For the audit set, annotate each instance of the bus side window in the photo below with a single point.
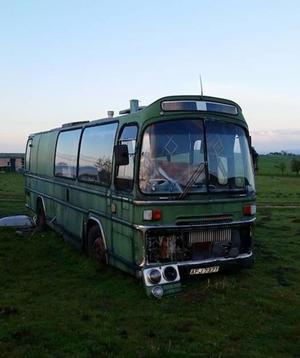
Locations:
(28, 155)
(96, 151)
(66, 153)
(124, 173)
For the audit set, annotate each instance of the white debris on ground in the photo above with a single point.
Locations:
(17, 221)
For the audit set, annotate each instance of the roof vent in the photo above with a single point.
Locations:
(134, 107)
(110, 114)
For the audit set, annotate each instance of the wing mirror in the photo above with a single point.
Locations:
(121, 154)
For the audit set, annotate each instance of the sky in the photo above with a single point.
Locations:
(69, 60)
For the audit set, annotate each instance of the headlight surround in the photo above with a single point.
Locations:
(170, 273)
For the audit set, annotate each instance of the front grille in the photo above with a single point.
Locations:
(219, 235)
(167, 246)
(220, 219)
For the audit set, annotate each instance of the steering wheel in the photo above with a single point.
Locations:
(171, 181)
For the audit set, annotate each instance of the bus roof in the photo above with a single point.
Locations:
(185, 104)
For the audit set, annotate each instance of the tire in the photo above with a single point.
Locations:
(40, 217)
(95, 245)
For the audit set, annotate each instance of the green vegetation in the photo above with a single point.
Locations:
(274, 188)
(295, 165)
(11, 194)
(54, 302)
(276, 164)
(278, 190)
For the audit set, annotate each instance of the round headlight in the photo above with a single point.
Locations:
(170, 273)
(154, 276)
(157, 291)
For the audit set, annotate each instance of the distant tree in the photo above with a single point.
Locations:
(295, 165)
(281, 166)
(104, 166)
(255, 156)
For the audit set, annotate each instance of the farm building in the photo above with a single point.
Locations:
(12, 162)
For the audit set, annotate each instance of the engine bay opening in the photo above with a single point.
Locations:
(178, 246)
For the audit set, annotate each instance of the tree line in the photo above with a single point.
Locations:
(294, 166)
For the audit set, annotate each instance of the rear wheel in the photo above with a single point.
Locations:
(41, 217)
(96, 247)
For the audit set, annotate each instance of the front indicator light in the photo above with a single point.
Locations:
(154, 276)
(152, 215)
(249, 210)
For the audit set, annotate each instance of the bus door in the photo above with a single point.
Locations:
(122, 209)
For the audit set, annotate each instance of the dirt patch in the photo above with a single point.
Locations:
(196, 295)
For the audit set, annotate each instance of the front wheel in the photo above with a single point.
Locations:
(96, 247)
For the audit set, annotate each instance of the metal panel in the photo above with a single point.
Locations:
(220, 235)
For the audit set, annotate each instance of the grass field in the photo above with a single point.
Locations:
(278, 190)
(268, 164)
(11, 194)
(55, 303)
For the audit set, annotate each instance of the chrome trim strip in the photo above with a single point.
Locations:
(121, 198)
(211, 225)
(79, 188)
(39, 194)
(240, 198)
(209, 261)
(79, 209)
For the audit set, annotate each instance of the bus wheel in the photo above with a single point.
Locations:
(96, 247)
(41, 217)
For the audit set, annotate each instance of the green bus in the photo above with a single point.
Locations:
(162, 192)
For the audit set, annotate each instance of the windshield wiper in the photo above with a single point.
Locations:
(192, 179)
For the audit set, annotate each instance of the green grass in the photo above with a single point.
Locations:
(11, 194)
(11, 186)
(278, 190)
(267, 164)
(54, 302)
(272, 187)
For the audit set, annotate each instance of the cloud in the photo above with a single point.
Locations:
(276, 140)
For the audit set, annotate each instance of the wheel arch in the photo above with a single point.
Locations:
(93, 221)
(40, 200)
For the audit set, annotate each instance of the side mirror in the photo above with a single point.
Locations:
(121, 154)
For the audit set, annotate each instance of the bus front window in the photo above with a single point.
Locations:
(171, 152)
(229, 161)
(173, 156)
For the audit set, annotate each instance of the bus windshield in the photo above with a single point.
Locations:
(195, 156)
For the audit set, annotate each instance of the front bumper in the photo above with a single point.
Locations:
(243, 260)
(189, 268)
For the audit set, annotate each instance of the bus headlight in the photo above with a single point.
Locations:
(154, 276)
(170, 273)
(157, 291)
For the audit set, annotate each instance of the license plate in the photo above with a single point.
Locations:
(204, 270)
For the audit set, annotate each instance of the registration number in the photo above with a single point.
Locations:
(204, 270)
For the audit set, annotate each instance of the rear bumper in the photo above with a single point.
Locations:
(243, 260)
